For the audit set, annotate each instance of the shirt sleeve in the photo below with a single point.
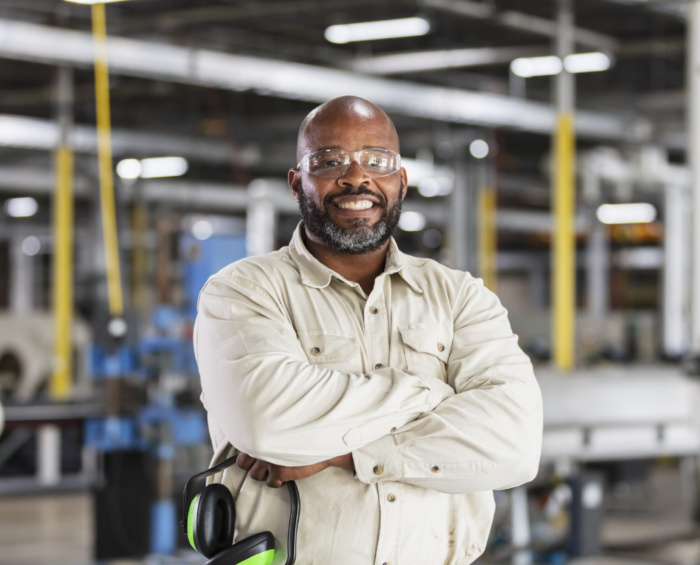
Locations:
(487, 436)
(270, 402)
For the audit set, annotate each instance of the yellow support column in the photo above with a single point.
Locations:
(63, 274)
(104, 153)
(564, 253)
(488, 239)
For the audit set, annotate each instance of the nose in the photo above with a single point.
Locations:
(354, 176)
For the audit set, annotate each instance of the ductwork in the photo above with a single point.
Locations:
(19, 40)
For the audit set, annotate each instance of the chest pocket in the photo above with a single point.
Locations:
(335, 350)
(427, 350)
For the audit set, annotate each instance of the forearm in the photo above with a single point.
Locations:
(484, 439)
(271, 403)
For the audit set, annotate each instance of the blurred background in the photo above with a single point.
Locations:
(552, 149)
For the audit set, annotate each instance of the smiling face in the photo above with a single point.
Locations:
(354, 213)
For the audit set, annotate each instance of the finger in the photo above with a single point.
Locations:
(245, 461)
(275, 476)
(258, 471)
(274, 482)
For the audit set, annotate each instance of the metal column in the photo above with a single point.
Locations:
(63, 241)
(694, 162)
(675, 272)
(104, 153)
(563, 193)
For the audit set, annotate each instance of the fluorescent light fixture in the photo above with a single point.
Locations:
(636, 213)
(383, 29)
(479, 148)
(154, 167)
(21, 207)
(129, 168)
(411, 221)
(527, 67)
(586, 62)
(31, 245)
(93, 1)
(157, 167)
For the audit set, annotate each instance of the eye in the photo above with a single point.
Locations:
(328, 160)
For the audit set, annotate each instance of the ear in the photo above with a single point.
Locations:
(404, 183)
(294, 180)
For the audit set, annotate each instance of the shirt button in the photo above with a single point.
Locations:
(393, 430)
(378, 365)
(435, 469)
(378, 470)
(315, 351)
(441, 347)
(391, 498)
(373, 309)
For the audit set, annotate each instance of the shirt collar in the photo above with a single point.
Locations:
(316, 274)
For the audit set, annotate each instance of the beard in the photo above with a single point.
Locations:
(359, 237)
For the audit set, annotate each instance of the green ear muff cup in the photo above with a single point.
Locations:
(214, 520)
(261, 545)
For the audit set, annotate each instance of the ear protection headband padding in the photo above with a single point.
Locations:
(256, 544)
(214, 520)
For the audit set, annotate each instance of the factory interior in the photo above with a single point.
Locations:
(552, 149)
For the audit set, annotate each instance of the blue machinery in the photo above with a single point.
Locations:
(160, 366)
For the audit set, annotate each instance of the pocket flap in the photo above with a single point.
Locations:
(427, 340)
(328, 346)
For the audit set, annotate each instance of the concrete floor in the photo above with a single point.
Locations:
(57, 529)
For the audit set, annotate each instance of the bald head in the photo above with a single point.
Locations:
(350, 114)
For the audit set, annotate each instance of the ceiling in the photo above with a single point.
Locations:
(645, 38)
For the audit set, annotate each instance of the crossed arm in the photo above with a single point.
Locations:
(291, 420)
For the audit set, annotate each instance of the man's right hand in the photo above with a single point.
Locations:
(276, 475)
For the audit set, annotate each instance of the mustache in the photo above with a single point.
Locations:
(349, 191)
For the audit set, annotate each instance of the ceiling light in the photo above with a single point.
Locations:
(383, 29)
(163, 167)
(154, 167)
(586, 62)
(527, 67)
(129, 168)
(21, 207)
(536, 66)
(479, 148)
(31, 245)
(93, 1)
(637, 213)
(412, 221)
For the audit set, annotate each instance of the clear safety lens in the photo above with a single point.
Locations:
(333, 163)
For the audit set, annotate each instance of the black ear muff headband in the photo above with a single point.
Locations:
(197, 482)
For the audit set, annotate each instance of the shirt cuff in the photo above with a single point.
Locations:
(377, 461)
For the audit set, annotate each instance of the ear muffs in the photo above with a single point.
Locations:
(210, 522)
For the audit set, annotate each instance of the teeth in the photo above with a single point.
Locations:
(356, 205)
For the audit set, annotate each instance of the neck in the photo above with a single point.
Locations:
(361, 268)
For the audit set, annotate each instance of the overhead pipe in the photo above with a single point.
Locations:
(285, 79)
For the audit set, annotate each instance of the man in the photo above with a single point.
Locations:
(390, 387)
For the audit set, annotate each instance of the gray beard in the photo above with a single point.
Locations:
(360, 237)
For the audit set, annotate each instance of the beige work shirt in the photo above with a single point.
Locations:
(422, 380)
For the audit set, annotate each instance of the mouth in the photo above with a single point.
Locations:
(355, 205)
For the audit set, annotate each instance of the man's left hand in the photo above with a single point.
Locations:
(276, 475)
